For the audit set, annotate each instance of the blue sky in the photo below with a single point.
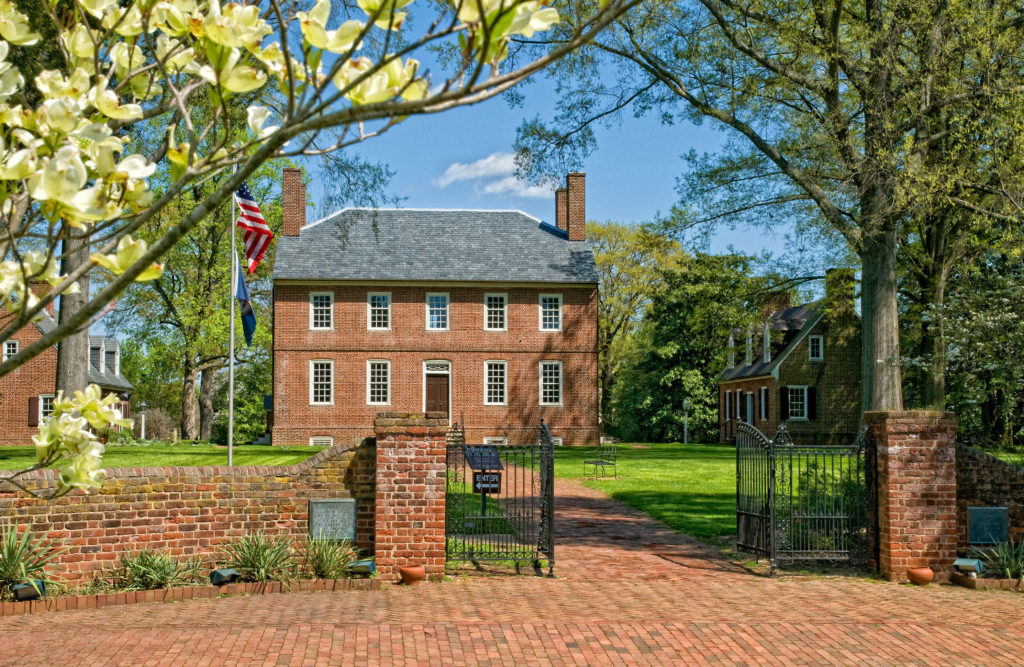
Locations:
(462, 158)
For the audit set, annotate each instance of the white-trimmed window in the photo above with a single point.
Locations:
(816, 348)
(321, 441)
(551, 383)
(797, 402)
(495, 382)
(496, 312)
(10, 349)
(550, 312)
(727, 396)
(762, 401)
(495, 440)
(437, 311)
(45, 406)
(378, 311)
(378, 382)
(321, 310)
(321, 382)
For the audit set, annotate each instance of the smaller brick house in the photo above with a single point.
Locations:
(801, 367)
(27, 392)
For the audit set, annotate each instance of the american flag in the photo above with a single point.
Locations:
(257, 235)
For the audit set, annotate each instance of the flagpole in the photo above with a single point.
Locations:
(231, 335)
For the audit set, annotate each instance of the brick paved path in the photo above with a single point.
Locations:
(629, 592)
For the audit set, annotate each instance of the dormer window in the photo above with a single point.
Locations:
(112, 361)
(96, 357)
(732, 352)
(767, 344)
(750, 347)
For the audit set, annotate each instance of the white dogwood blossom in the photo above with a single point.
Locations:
(109, 132)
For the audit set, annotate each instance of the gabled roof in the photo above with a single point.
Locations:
(104, 380)
(797, 319)
(359, 244)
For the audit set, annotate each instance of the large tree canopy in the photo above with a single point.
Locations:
(871, 112)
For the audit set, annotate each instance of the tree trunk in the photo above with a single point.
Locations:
(73, 351)
(881, 385)
(206, 385)
(188, 401)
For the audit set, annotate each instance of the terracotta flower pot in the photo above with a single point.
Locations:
(922, 576)
(412, 575)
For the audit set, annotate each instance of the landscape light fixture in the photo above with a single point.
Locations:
(223, 576)
(972, 566)
(31, 590)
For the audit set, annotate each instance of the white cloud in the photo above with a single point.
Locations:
(513, 186)
(498, 164)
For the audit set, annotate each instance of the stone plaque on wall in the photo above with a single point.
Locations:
(333, 518)
(987, 525)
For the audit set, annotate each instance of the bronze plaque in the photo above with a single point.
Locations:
(332, 518)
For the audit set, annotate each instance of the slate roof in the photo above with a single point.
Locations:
(793, 319)
(433, 246)
(104, 380)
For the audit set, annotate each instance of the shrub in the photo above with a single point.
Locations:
(26, 556)
(259, 557)
(1005, 560)
(327, 559)
(148, 569)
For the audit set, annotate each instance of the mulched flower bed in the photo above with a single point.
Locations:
(98, 600)
(984, 584)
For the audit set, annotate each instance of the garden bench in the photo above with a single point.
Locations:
(601, 459)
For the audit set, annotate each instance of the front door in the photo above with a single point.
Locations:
(437, 393)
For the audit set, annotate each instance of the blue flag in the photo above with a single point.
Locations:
(248, 316)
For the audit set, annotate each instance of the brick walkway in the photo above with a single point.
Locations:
(629, 592)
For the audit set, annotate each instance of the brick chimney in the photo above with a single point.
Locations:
(561, 199)
(576, 209)
(840, 290)
(293, 202)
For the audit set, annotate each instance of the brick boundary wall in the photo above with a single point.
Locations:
(983, 480)
(190, 510)
(916, 491)
(411, 475)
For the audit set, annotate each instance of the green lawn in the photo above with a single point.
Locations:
(165, 454)
(1016, 457)
(691, 488)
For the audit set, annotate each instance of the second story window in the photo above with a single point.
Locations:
(816, 347)
(10, 349)
(495, 312)
(321, 382)
(379, 313)
(321, 310)
(550, 312)
(437, 311)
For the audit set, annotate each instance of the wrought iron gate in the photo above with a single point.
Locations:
(803, 502)
(500, 501)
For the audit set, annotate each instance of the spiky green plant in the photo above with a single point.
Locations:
(147, 569)
(1006, 559)
(25, 556)
(260, 557)
(326, 559)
